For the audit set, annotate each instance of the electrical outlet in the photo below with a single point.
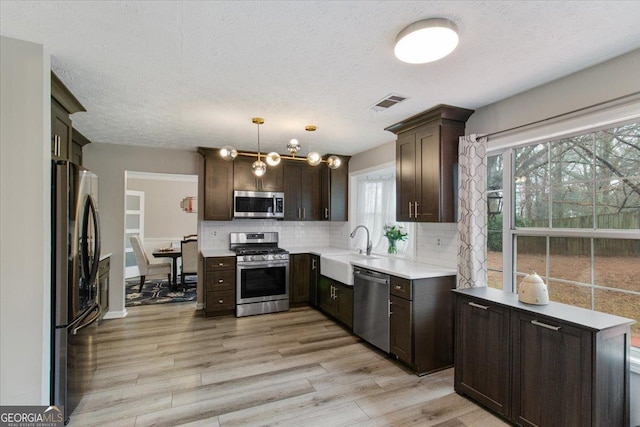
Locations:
(438, 241)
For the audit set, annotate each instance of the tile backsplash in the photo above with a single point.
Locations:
(435, 243)
(292, 234)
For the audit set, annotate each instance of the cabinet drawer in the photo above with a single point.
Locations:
(401, 287)
(104, 266)
(221, 281)
(220, 263)
(217, 301)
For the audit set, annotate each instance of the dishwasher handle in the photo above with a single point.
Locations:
(371, 276)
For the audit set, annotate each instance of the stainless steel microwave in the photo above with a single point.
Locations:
(258, 204)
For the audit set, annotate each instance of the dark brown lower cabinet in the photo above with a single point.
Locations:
(421, 322)
(336, 300)
(553, 362)
(219, 285)
(299, 278)
(482, 353)
(400, 335)
(553, 365)
(103, 285)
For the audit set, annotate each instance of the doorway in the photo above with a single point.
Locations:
(155, 211)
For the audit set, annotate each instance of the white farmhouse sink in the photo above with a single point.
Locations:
(338, 267)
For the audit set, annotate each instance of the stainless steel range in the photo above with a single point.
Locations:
(262, 273)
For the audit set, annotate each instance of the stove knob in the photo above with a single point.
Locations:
(264, 257)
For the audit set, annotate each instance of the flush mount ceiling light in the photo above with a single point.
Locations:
(259, 168)
(426, 41)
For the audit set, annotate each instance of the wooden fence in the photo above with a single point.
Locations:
(582, 246)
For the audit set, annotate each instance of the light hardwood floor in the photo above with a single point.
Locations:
(167, 365)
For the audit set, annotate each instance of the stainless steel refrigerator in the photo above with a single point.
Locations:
(74, 266)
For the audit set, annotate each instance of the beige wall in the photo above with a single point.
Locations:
(374, 157)
(163, 217)
(25, 229)
(109, 162)
(604, 82)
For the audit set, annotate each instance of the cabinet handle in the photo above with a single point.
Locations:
(416, 208)
(220, 301)
(544, 325)
(220, 281)
(397, 287)
(313, 264)
(484, 307)
(221, 264)
(326, 213)
(304, 213)
(410, 208)
(390, 311)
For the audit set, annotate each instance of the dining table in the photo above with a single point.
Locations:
(174, 254)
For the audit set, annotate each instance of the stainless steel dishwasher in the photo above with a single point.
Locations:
(371, 307)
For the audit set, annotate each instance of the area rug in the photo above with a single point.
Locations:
(159, 292)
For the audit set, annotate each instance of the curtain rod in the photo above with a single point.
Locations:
(599, 104)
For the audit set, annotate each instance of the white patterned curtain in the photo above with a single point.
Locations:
(472, 211)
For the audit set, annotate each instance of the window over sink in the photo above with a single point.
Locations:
(375, 207)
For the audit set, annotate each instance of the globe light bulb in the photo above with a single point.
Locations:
(258, 168)
(273, 159)
(314, 158)
(228, 153)
(293, 146)
(334, 162)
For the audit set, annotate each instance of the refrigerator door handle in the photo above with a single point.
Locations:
(90, 209)
(75, 329)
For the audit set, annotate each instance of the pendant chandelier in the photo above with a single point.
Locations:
(259, 168)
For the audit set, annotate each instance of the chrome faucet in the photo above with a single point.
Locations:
(369, 244)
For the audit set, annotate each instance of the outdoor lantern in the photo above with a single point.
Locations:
(494, 202)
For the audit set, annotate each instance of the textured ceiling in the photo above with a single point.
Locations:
(186, 74)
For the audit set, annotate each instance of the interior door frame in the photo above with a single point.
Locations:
(132, 271)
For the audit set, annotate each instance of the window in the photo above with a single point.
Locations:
(494, 221)
(576, 219)
(376, 206)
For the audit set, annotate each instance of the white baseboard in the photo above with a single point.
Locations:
(115, 314)
(199, 306)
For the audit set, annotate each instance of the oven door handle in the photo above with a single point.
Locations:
(261, 265)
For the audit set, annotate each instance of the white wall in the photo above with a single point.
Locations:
(163, 217)
(600, 83)
(110, 161)
(25, 230)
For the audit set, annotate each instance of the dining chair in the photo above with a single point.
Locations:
(145, 267)
(189, 266)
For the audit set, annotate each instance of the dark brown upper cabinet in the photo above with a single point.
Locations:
(302, 201)
(335, 191)
(218, 186)
(63, 104)
(245, 180)
(426, 157)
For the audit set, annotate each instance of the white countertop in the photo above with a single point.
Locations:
(319, 250)
(384, 264)
(208, 253)
(403, 268)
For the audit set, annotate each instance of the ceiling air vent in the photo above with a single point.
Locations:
(386, 102)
